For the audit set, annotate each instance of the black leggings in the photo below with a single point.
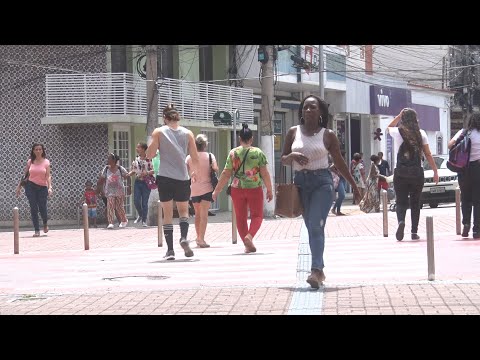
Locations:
(405, 188)
(470, 195)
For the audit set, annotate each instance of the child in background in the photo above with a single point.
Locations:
(90, 198)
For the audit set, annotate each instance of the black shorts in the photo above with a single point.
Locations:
(172, 189)
(206, 197)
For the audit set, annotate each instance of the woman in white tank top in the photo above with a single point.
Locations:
(306, 149)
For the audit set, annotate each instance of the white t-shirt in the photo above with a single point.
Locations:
(475, 143)
(398, 140)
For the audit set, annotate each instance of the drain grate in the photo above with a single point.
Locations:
(28, 297)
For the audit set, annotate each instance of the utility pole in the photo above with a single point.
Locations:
(467, 85)
(152, 93)
(152, 119)
(266, 128)
(320, 72)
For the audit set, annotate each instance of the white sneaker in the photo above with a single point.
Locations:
(110, 226)
(123, 224)
(144, 224)
(137, 220)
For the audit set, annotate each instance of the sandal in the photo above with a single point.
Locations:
(202, 244)
(45, 228)
(249, 247)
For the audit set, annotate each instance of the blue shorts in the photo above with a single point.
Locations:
(92, 212)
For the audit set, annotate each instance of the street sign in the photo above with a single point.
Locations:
(222, 118)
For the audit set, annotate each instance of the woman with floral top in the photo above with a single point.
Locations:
(143, 170)
(250, 165)
(112, 179)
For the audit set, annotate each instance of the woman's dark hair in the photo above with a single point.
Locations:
(170, 113)
(114, 157)
(411, 131)
(322, 105)
(357, 157)
(143, 145)
(32, 154)
(245, 134)
(374, 158)
(474, 122)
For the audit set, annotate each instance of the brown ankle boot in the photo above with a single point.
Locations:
(316, 278)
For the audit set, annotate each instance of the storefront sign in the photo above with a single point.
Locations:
(386, 100)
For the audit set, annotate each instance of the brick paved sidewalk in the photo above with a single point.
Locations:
(454, 296)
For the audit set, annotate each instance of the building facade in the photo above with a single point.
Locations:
(83, 102)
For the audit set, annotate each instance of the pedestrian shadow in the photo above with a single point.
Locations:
(174, 261)
(466, 239)
(322, 288)
(249, 254)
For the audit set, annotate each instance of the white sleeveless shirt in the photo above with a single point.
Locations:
(313, 148)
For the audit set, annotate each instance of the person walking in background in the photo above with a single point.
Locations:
(470, 178)
(371, 199)
(306, 149)
(38, 187)
(249, 163)
(112, 176)
(90, 198)
(340, 189)
(358, 174)
(174, 142)
(143, 169)
(410, 143)
(201, 188)
(384, 169)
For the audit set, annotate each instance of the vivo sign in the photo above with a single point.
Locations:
(383, 100)
(386, 100)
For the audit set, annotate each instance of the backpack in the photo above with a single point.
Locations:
(459, 155)
(408, 167)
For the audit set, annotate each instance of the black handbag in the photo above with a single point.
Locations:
(229, 188)
(213, 174)
(24, 179)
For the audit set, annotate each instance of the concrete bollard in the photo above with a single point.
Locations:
(385, 212)
(16, 231)
(430, 249)
(234, 226)
(86, 236)
(160, 224)
(457, 210)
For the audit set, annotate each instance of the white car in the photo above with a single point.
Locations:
(444, 191)
(434, 194)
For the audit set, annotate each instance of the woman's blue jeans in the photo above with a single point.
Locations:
(316, 192)
(141, 193)
(37, 198)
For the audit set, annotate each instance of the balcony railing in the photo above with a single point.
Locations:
(126, 94)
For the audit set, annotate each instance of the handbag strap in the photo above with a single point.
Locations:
(243, 163)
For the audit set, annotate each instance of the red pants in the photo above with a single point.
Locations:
(244, 199)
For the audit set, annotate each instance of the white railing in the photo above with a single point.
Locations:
(126, 94)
